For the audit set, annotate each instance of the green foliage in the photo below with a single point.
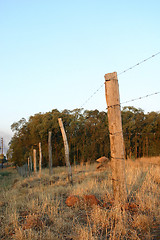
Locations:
(87, 133)
(141, 132)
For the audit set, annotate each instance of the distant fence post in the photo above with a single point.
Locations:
(116, 137)
(40, 158)
(28, 166)
(34, 161)
(66, 150)
(30, 160)
(50, 153)
(2, 152)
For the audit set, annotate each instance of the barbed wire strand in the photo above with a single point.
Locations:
(135, 99)
(136, 65)
(139, 98)
(130, 68)
(92, 95)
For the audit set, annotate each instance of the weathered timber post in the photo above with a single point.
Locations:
(66, 147)
(2, 151)
(116, 137)
(30, 160)
(28, 167)
(50, 153)
(34, 161)
(40, 158)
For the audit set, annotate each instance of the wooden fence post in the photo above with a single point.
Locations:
(34, 161)
(28, 167)
(66, 147)
(30, 160)
(50, 153)
(40, 158)
(116, 137)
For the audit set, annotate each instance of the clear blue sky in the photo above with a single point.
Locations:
(54, 54)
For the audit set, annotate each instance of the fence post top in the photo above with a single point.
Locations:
(110, 76)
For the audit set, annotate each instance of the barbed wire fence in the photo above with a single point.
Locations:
(127, 101)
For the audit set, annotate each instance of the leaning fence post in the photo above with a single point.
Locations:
(116, 137)
(40, 158)
(34, 161)
(50, 153)
(66, 150)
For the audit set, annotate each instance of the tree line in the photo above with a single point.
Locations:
(87, 133)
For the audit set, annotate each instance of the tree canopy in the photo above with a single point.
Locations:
(87, 133)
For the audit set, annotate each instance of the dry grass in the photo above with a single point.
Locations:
(34, 208)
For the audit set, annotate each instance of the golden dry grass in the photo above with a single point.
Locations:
(34, 208)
